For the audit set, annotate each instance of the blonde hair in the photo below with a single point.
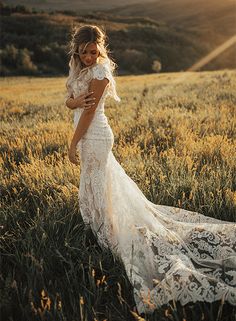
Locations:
(87, 34)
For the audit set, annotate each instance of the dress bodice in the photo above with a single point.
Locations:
(99, 127)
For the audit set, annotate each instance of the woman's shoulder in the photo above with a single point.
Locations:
(101, 70)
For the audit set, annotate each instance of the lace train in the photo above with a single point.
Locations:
(168, 252)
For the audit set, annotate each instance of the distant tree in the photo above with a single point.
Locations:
(21, 9)
(9, 56)
(7, 10)
(134, 60)
(156, 66)
(25, 65)
(17, 61)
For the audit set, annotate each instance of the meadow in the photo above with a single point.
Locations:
(174, 136)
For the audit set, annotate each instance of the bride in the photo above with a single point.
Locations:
(169, 253)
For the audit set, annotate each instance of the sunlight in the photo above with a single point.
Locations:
(213, 54)
(184, 74)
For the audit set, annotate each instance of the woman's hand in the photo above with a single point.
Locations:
(84, 101)
(72, 155)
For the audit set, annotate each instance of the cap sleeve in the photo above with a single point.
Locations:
(100, 71)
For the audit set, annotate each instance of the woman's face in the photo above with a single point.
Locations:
(89, 55)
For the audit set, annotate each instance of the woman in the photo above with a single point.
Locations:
(169, 253)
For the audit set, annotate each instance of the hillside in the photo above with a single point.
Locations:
(35, 43)
(79, 6)
(209, 22)
(201, 16)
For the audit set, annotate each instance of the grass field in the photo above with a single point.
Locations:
(174, 136)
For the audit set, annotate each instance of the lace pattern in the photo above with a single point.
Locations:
(99, 128)
(99, 71)
(94, 194)
(168, 252)
(186, 256)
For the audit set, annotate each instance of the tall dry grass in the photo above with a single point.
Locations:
(174, 136)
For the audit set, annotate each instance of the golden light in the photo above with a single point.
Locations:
(213, 54)
(183, 75)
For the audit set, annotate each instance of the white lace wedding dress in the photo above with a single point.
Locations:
(169, 253)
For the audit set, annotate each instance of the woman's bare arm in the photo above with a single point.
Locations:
(98, 87)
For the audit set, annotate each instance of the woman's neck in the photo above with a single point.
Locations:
(84, 66)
